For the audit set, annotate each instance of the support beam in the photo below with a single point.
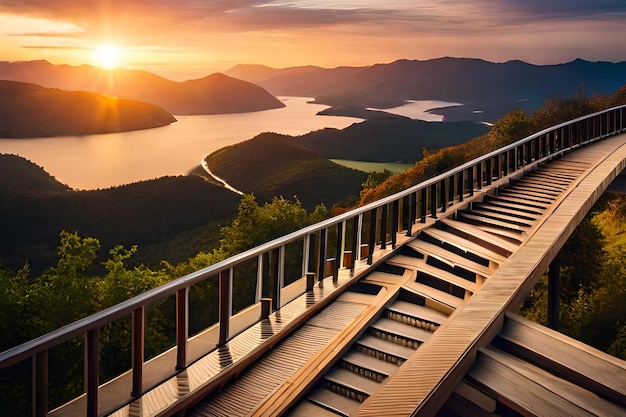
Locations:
(554, 295)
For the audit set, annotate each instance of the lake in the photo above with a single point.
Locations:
(102, 161)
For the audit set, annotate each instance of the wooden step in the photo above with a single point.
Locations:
(368, 366)
(451, 258)
(405, 334)
(535, 189)
(349, 384)
(418, 311)
(502, 204)
(540, 184)
(465, 245)
(506, 211)
(588, 367)
(434, 294)
(384, 349)
(331, 401)
(468, 231)
(535, 390)
(511, 198)
(530, 197)
(509, 220)
(421, 266)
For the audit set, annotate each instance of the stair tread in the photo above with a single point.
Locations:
(369, 362)
(420, 265)
(333, 401)
(401, 329)
(434, 294)
(465, 245)
(418, 311)
(386, 346)
(352, 380)
(452, 258)
(482, 235)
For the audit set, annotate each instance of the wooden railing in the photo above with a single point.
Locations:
(342, 242)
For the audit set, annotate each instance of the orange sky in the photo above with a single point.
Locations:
(193, 38)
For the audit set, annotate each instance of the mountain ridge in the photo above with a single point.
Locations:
(213, 94)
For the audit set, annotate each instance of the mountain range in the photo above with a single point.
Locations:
(487, 90)
(28, 110)
(214, 94)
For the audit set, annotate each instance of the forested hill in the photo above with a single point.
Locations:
(28, 110)
(389, 139)
(34, 208)
(276, 165)
(213, 94)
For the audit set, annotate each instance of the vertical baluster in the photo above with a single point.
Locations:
(138, 332)
(479, 175)
(395, 220)
(470, 180)
(410, 214)
(451, 189)
(182, 327)
(433, 201)
(355, 243)
(489, 170)
(372, 239)
(92, 377)
(321, 260)
(225, 290)
(461, 185)
(383, 227)
(338, 250)
(443, 194)
(423, 204)
(306, 250)
(40, 384)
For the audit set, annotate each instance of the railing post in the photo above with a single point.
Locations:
(461, 185)
(423, 204)
(355, 249)
(395, 218)
(225, 290)
(383, 227)
(410, 214)
(40, 384)
(372, 239)
(310, 281)
(433, 201)
(338, 250)
(92, 376)
(321, 261)
(470, 180)
(138, 330)
(182, 327)
(554, 295)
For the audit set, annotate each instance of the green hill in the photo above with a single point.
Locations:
(277, 165)
(389, 139)
(28, 110)
(34, 209)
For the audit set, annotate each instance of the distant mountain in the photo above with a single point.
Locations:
(488, 90)
(34, 208)
(276, 165)
(28, 110)
(213, 94)
(390, 139)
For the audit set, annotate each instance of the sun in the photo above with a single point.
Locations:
(108, 56)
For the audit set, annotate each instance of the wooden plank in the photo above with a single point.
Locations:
(421, 266)
(401, 329)
(473, 231)
(511, 199)
(385, 346)
(437, 295)
(369, 362)
(418, 311)
(588, 367)
(352, 381)
(509, 220)
(519, 393)
(450, 258)
(508, 211)
(344, 406)
(465, 245)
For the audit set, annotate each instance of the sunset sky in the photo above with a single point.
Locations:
(190, 39)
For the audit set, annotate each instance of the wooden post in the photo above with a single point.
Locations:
(92, 376)
(137, 351)
(224, 306)
(554, 295)
(182, 327)
(40, 384)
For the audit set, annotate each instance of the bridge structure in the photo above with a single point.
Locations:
(403, 307)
